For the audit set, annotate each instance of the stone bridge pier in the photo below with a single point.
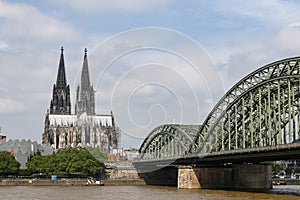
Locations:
(256, 177)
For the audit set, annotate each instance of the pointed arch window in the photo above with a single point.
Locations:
(61, 102)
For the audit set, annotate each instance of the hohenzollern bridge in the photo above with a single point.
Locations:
(255, 122)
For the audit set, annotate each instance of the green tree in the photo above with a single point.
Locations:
(98, 154)
(8, 164)
(70, 161)
(39, 164)
(297, 170)
(276, 167)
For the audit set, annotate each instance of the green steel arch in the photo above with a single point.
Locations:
(169, 140)
(260, 110)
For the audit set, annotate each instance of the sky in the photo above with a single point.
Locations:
(151, 61)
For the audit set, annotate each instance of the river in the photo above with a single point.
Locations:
(134, 192)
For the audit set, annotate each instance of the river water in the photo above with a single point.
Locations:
(134, 192)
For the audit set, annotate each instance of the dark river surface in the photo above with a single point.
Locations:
(137, 192)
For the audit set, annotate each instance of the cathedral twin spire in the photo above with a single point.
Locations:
(85, 98)
(60, 103)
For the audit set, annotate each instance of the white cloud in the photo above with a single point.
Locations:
(262, 32)
(148, 67)
(25, 22)
(3, 46)
(275, 12)
(258, 32)
(288, 38)
(9, 106)
(30, 41)
(136, 6)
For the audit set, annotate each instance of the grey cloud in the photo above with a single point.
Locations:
(10, 106)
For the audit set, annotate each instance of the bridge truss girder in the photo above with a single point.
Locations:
(170, 140)
(260, 110)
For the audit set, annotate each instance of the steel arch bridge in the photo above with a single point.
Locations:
(261, 110)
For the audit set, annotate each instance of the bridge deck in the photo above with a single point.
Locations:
(253, 155)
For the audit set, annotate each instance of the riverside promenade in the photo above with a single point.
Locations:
(70, 182)
(116, 174)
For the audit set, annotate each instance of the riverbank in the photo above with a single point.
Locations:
(70, 182)
(107, 182)
(287, 181)
(286, 189)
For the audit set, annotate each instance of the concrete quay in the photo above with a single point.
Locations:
(71, 182)
(40, 182)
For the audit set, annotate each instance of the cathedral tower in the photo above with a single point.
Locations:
(60, 103)
(85, 96)
(63, 129)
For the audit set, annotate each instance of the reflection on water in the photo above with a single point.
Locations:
(133, 192)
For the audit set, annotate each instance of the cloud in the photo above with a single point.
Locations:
(147, 86)
(30, 40)
(288, 38)
(10, 106)
(135, 6)
(21, 23)
(275, 12)
(239, 37)
(261, 32)
(3, 46)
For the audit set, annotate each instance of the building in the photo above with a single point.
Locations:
(84, 128)
(2, 138)
(131, 154)
(23, 150)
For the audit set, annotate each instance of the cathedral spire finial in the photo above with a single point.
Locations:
(85, 76)
(62, 50)
(61, 75)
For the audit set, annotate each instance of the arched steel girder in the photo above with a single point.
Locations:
(169, 140)
(262, 84)
(266, 130)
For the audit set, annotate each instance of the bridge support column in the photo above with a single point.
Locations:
(208, 178)
(187, 178)
(166, 176)
(252, 177)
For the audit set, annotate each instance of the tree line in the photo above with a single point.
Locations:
(70, 162)
(8, 164)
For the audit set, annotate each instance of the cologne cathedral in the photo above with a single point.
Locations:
(84, 128)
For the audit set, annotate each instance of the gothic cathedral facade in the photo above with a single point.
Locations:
(84, 128)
